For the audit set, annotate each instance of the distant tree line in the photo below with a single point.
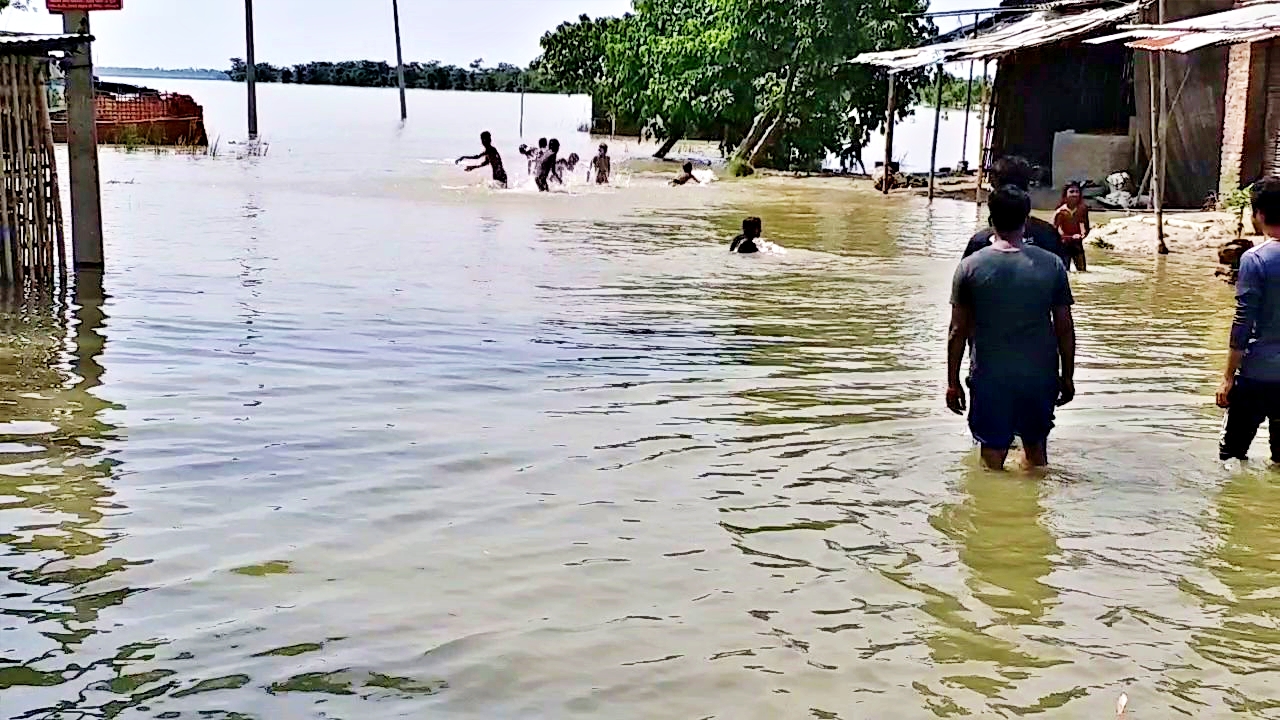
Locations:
(430, 75)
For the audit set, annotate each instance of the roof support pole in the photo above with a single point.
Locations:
(968, 105)
(888, 138)
(1161, 138)
(982, 135)
(937, 121)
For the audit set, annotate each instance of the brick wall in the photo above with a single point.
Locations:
(1235, 120)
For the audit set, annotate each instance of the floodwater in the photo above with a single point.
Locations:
(344, 434)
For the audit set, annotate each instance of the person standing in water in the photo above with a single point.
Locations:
(1072, 222)
(547, 165)
(1250, 389)
(745, 243)
(491, 158)
(686, 175)
(1013, 301)
(1016, 171)
(601, 166)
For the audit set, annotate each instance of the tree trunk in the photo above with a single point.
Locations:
(759, 127)
(769, 140)
(759, 140)
(667, 144)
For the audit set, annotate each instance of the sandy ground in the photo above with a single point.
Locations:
(1195, 233)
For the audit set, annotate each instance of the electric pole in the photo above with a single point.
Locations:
(404, 106)
(251, 70)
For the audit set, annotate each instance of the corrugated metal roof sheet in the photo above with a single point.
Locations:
(16, 42)
(1251, 23)
(1044, 27)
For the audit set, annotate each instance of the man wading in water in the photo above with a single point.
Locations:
(491, 158)
(1251, 387)
(1016, 171)
(1013, 301)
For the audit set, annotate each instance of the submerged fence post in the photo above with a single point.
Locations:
(888, 137)
(937, 121)
(82, 149)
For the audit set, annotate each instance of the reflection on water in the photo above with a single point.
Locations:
(403, 446)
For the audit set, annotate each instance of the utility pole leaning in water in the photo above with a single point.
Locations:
(250, 70)
(404, 105)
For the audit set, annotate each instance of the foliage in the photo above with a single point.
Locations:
(369, 73)
(954, 92)
(729, 66)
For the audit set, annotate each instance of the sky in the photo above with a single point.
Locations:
(207, 33)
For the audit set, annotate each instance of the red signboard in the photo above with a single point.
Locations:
(60, 6)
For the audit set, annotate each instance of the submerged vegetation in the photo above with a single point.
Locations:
(769, 78)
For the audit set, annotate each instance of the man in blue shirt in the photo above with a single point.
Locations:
(1251, 385)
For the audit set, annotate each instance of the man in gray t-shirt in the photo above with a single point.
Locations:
(1012, 301)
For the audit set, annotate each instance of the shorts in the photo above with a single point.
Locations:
(1002, 408)
(1251, 402)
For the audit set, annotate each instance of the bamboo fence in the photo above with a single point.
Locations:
(32, 244)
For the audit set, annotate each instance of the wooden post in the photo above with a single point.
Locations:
(937, 121)
(251, 70)
(888, 138)
(404, 103)
(1163, 249)
(968, 102)
(1157, 164)
(982, 136)
(82, 149)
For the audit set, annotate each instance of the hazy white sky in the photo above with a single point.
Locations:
(206, 33)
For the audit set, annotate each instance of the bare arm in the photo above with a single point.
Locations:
(957, 341)
(1085, 224)
(468, 157)
(477, 167)
(1064, 326)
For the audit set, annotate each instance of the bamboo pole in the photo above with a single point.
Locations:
(35, 90)
(55, 193)
(6, 222)
(14, 171)
(888, 137)
(968, 104)
(404, 103)
(28, 191)
(1157, 175)
(937, 121)
(982, 136)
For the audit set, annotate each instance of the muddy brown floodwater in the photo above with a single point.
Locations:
(343, 434)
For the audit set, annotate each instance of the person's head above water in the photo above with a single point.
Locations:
(1264, 196)
(1071, 194)
(688, 167)
(1011, 170)
(542, 142)
(752, 227)
(554, 145)
(1010, 205)
(486, 139)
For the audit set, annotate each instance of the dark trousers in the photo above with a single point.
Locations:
(1250, 403)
